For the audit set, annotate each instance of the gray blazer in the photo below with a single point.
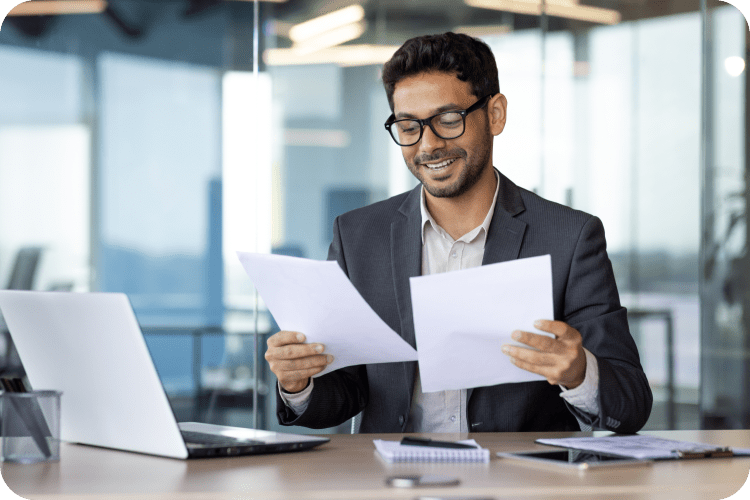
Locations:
(379, 247)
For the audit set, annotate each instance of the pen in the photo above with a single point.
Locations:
(30, 414)
(418, 441)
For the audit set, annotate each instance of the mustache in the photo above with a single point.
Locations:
(441, 155)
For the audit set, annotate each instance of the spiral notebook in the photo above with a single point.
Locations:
(395, 452)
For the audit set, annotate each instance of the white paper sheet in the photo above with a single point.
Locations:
(643, 447)
(317, 299)
(463, 318)
(395, 452)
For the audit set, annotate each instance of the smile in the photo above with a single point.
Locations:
(439, 166)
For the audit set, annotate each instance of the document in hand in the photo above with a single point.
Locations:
(463, 318)
(317, 299)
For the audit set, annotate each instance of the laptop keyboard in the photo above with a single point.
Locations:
(215, 439)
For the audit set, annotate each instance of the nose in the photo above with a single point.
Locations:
(430, 142)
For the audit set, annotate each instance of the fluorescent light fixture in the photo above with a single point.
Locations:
(481, 31)
(569, 9)
(278, 28)
(343, 55)
(331, 38)
(734, 65)
(55, 7)
(319, 25)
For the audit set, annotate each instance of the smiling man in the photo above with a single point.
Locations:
(447, 108)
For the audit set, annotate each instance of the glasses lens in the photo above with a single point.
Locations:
(448, 125)
(406, 132)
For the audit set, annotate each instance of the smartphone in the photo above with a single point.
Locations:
(415, 481)
(572, 459)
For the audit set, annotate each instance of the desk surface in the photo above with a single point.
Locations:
(347, 468)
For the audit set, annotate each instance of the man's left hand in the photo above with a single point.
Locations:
(561, 360)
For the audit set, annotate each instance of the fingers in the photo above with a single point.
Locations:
(528, 356)
(557, 369)
(290, 345)
(541, 342)
(561, 360)
(284, 337)
(559, 329)
(297, 364)
(294, 362)
(565, 336)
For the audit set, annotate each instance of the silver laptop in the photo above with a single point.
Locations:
(90, 347)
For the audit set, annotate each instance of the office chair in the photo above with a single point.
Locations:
(24, 269)
(21, 278)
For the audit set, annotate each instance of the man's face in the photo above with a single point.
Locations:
(445, 167)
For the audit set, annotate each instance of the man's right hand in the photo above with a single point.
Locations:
(294, 362)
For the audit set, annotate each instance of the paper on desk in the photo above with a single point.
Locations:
(316, 298)
(394, 452)
(643, 447)
(463, 318)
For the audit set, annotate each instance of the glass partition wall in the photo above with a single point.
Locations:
(146, 143)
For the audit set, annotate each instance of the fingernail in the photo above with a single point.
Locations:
(506, 349)
(329, 358)
(516, 335)
(300, 337)
(318, 348)
(538, 323)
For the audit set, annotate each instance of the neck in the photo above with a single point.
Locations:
(461, 214)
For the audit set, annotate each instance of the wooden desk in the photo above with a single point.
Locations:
(347, 468)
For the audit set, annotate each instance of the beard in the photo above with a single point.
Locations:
(467, 177)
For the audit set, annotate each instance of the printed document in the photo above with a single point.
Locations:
(463, 318)
(316, 298)
(643, 447)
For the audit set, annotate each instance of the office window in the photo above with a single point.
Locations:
(160, 152)
(44, 200)
(45, 150)
(612, 119)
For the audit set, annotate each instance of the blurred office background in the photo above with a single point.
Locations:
(144, 142)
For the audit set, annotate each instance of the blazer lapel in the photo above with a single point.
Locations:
(406, 258)
(505, 235)
(406, 261)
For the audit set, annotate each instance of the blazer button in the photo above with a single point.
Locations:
(400, 420)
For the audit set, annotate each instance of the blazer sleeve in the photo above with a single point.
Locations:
(592, 306)
(336, 396)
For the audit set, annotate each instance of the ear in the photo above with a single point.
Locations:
(497, 109)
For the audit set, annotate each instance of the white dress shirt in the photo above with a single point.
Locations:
(445, 411)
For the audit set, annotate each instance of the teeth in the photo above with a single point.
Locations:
(437, 166)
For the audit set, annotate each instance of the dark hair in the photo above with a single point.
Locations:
(470, 59)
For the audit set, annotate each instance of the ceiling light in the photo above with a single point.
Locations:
(569, 9)
(327, 22)
(55, 7)
(482, 31)
(343, 55)
(330, 38)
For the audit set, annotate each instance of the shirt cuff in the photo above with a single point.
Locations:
(297, 401)
(586, 396)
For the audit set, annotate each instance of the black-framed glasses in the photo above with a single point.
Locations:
(446, 125)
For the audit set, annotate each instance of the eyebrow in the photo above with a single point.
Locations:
(441, 109)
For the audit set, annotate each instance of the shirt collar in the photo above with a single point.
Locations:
(427, 218)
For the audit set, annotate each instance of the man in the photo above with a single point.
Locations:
(447, 108)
